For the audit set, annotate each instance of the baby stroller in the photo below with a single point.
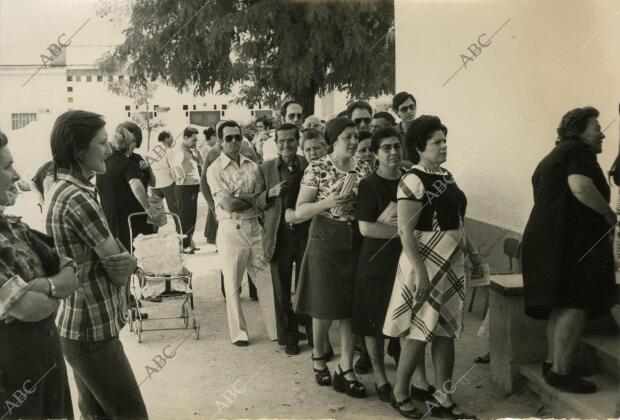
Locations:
(161, 275)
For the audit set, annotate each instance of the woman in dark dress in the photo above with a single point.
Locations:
(381, 249)
(568, 266)
(33, 277)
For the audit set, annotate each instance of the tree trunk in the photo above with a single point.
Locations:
(306, 98)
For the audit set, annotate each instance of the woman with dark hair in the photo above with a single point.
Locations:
(325, 287)
(427, 300)
(33, 277)
(568, 266)
(91, 318)
(376, 213)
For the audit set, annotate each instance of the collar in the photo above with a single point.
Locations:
(86, 186)
(226, 160)
(281, 162)
(441, 170)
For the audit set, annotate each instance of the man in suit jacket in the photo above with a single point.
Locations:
(283, 243)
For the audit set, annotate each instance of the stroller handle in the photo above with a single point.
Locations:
(175, 217)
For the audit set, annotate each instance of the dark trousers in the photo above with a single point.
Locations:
(290, 248)
(211, 227)
(169, 194)
(187, 201)
(107, 387)
(251, 286)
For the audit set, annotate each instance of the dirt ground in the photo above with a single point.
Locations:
(211, 378)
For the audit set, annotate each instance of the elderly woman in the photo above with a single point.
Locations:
(325, 288)
(568, 266)
(381, 248)
(429, 290)
(33, 277)
(364, 150)
(91, 318)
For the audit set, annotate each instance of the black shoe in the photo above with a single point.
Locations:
(577, 370)
(569, 383)
(451, 412)
(384, 392)
(352, 388)
(322, 376)
(302, 336)
(414, 413)
(241, 343)
(363, 365)
(292, 349)
(420, 394)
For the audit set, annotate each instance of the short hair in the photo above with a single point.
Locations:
(311, 134)
(286, 104)
(386, 116)
(121, 142)
(209, 132)
(382, 134)
(286, 127)
(266, 121)
(3, 140)
(364, 135)
(419, 132)
(72, 134)
(189, 131)
(134, 129)
(341, 114)
(574, 122)
(164, 135)
(401, 97)
(223, 125)
(358, 105)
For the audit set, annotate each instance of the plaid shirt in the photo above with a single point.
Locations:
(19, 263)
(76, 221)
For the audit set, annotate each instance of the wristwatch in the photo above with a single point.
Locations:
(52, 287)
(237, 194)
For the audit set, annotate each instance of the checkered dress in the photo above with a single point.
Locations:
(440, 242)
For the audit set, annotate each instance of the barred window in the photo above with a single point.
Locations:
(22, 119)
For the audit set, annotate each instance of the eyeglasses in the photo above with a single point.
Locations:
(387, 148)
(407, 108)
(232, 137)
(358, 121)
(294, 116)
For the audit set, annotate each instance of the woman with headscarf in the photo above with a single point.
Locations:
(325, 288)
(567, 251)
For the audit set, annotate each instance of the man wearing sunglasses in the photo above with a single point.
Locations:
(361, 114)
(232, 180)
(405, 106)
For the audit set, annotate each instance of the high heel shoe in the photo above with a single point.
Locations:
(322, 376)
(352, 388)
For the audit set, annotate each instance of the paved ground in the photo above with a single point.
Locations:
(210, 378)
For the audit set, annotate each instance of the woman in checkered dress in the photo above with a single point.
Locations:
(429, 290)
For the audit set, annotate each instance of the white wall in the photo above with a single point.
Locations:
(503, 109)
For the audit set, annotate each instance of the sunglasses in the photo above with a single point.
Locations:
(358, 121)
(389, 147)
(407, 108)
(294, 116)
(232, 137)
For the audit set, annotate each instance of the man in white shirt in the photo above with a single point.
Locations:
(164, 187)
(232, 181)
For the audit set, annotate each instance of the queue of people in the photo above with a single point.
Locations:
(358, 217)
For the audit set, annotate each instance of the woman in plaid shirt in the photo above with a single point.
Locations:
(90, 319)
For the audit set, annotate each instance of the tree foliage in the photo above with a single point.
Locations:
(274, 48)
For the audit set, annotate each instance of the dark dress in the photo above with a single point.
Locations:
(567, 253)
(33, 378)
(118, 200)
(378, 259)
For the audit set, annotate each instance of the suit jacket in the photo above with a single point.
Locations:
(269, 176)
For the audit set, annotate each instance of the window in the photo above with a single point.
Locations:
(155, 113)
(127, 107)
(69, 99)
(89, 78)
(252, 113)
(214, 107)
(99, 78)
(224, 106)
(223, 113)
(121, 78)
(110, 78)
(185, 107)
(194, 107)
(156, 107)
(186, 114)
(78, 78)
(22, 120)
(69, 89)
(129, 114)
(69, 78)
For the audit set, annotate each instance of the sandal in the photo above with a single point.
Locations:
(322, 376)
(452, 411)
(414, 413)
(352, 388)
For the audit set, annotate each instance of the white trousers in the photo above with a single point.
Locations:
(240, 248)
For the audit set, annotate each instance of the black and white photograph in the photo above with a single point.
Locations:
(309, 209)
